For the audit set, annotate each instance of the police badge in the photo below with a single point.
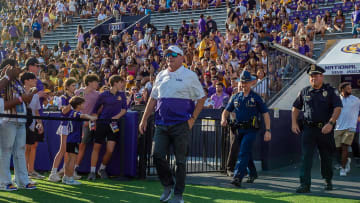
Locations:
(325, 93)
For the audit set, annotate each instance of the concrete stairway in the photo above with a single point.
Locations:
(67, 32)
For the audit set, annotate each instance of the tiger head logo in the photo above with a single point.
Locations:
(352, 49)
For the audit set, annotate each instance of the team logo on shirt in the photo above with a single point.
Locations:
(352, 49)
(119, 98)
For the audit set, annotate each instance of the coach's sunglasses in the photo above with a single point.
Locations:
(173, 54)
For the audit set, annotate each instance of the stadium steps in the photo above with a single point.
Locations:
(174, 20)
(67, 32)
(319, 44)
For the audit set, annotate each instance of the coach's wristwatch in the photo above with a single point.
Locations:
(331, 123)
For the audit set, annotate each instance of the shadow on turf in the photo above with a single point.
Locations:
(130, 191)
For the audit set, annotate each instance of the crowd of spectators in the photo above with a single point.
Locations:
(218, 58)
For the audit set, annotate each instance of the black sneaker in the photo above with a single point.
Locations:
(328, 185)
(236, 182)
(251, 179)
(303, 189)
(92, 176)
(102, 173)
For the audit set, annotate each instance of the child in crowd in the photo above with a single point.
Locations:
(74, 138)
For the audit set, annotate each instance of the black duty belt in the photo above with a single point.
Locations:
(241, 125)
(315, 124)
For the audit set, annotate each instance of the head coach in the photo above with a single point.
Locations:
(174, 94)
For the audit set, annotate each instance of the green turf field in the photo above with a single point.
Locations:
(148, 191)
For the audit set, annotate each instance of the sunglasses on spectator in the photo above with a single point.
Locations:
(134, 89)
(173, 54)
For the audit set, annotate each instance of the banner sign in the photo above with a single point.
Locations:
(341, 69)
(116, 26)
(342, 59)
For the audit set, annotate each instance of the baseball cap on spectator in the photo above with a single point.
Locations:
(174, 49)
(130, 78)
(246, 77)
(314, 69)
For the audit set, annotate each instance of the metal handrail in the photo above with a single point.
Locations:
(132, 25)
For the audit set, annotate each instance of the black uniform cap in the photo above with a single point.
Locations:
(314, 69)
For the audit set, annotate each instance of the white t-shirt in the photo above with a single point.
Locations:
(349, 113)
(34, 106)
(101, 16)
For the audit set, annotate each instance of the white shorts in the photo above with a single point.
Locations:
(63, 130)
(46, 20)
(72, 8)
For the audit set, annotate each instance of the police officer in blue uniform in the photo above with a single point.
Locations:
(247, 106)
(321, 105)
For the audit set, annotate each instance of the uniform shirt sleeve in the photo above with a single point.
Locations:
(299, 101)
(98, 103)
(35, 103)
(197, 91)
(75, 114)
(260, 105)
(335, 99)
(63, 102)
(230, 106)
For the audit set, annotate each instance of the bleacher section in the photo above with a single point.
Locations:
(67, 32)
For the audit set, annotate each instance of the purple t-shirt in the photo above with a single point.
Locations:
(13, 31)
(356, 16)
(303, 50)
(112, 104)
(202, 25)
(218, 100)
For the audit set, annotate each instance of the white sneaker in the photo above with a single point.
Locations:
(342, 172)
(54, 177)
(347, 167)
(32, 182)
(71, 181)
(76, 176)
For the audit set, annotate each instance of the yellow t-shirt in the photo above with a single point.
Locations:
(202, 48)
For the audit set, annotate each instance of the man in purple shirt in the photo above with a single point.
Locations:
(14, 33)
(112, 104)
(219, 96)
(202, 24)
(355, 20)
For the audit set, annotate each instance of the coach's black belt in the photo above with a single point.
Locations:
(315, 124)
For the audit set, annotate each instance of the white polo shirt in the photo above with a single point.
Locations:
(175, 93)
(349, 113)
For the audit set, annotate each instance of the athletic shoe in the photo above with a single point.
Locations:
(303, 189)
(64, 179)
(328, 185)
(342, 172)
(251, 179)
(102, 173)
(61, 172)
(71, 181)
(92, 176)
(166, 195)
(177, 199)
(29, 186)
(337, 166)
(347, 167)
(9, 188)
(54, 177)
(32, 182)
(76, 176)
(236, 182)
(36, 175)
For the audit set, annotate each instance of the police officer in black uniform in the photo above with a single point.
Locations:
(321, 105)
(247, 106)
